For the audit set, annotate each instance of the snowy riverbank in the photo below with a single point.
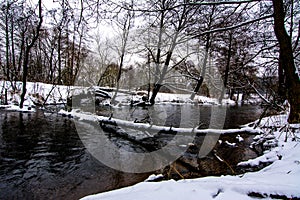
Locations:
(37, 94)
(47, 94)
(278, 180)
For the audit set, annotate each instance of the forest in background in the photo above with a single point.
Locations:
(212, 47)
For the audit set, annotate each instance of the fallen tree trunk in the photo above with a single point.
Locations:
(173, 130)
(154, 128)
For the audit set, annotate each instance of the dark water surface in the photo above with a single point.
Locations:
(188, 115)
(42, 156)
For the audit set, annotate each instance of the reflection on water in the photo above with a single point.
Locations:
(42, 157)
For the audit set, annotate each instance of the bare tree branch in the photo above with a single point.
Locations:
(205, 3)
(233, 27)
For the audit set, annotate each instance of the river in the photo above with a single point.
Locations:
(42, 156)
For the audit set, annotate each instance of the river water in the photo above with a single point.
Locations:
(42, 156)
(185, 115)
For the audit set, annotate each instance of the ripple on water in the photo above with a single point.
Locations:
(42, 157)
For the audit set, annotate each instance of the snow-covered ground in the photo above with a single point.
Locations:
(281, 179)
(38, 93)
(41, 93)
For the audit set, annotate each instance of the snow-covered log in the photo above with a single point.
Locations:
(155, 128)
(103, 94)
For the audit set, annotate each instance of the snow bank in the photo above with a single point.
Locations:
(17, 108)
(37, 93)
(185, 98)
(41, 93)
(280, 179)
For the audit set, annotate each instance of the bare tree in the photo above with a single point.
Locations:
(169, 24)
(29, 43)
(13, 32)
(124, 24)
(286, 61)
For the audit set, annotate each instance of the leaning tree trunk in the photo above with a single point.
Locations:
(197, 88)
(286, 62)
(158, 83)
(203, 70)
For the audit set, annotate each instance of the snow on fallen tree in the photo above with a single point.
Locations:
(155, 128)
(152, 137)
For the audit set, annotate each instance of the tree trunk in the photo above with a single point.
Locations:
(286, 62)
(227, 69)
(155, 91)
(24, 78)
(5, 97)
(59, 52)
(158, 84)
(158, 74)
(197, 88)
(13, 55)
(7, 41)
(149, 76)
(126, 28)
(27, 52)
(281, 85)
(22, 46)
(203, 70)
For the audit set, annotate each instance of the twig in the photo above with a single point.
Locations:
(224, 161)
(174, 168)
(49, 94)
